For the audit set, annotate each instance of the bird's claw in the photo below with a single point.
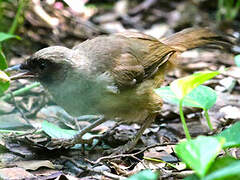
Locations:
(126, 148)
(59, 143)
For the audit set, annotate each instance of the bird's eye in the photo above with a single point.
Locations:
(42, 66)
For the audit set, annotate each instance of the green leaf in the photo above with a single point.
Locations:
(226, 168)
(3, 62)
(201, 97)
(204, 96)
(4, 82)
(231, 136)
(200, 153)
(237, 60)
(144, 175)
(168, 96)
(56, 132)
(6, 36)
(181, 87)
(20, 91)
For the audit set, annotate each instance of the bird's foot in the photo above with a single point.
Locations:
(126, 148)
(59, 143)
(80, 138)
(68, 143)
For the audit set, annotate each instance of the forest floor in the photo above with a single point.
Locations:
(25, 149)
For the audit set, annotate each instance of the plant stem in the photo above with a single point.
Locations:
(12, 131)
(15, 21)
(1, 10)
(235, 10)
(208, 119)
(19, 91)
(219, 11)
(3, 63)
(185, 128)
(159, 161)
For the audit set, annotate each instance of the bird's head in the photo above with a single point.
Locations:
(48, 65)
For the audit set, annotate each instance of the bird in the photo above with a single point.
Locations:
(113, 76)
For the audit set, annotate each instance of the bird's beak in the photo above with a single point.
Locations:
(23, 73)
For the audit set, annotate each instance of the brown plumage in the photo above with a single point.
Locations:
(114, 75)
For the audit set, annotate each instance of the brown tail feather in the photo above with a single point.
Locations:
(196, 37)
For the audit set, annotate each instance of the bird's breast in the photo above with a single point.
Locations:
(81, 96)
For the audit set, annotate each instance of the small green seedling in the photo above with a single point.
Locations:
(201, 97)
(200, 155)
(183, 86)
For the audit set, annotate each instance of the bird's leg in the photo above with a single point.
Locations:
(146, 124)
(65, 116)
(131, 144)
(78, 138)
(89, 118)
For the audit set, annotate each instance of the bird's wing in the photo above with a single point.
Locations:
(127, 70)
(143, 58)
(129, 57)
